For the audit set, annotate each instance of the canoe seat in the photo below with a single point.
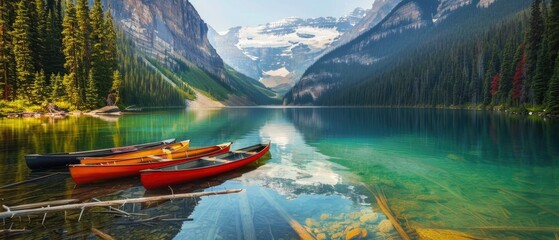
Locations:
(217, 160)
(241, 152)
(155, 157)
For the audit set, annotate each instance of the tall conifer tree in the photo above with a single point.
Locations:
(552, 98)
(7, 66)
(553, 29)
(505, 84)
(534, 41)
(71, 53)
(21, 40)
(84, 43)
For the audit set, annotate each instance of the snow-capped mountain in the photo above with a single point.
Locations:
(279, 52)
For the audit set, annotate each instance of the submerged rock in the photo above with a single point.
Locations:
(385, 226)
(369, 217)
(353, 234)
(311, 222)
(324, 216)
(364, 233)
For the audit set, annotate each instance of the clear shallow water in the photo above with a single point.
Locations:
(441, 169)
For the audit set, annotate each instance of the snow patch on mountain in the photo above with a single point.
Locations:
(485, 3)
(262, 37)
(282, 72)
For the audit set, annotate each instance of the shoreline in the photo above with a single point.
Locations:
(496, 109)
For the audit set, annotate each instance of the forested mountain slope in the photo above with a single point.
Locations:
(423, 53)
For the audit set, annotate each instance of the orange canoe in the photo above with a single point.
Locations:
(87, 173)
(175, 150)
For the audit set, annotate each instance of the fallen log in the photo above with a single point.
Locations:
(519, 229)
(102, 235)
(82, 206)
(40, 204)
(13, 230)
(383, 204)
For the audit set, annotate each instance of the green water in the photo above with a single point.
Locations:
(484, 174)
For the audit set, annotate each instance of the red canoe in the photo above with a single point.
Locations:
(202, 168)
(87, 173)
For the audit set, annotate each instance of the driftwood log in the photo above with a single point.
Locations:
(101, 234)
(40, 204)
(82, 206)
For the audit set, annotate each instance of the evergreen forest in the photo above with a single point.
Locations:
(513, 64)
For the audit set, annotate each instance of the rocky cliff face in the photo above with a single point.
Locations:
(379, 10)
(167, 29)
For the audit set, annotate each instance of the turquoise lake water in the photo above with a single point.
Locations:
(487, 175)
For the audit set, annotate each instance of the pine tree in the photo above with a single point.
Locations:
(553, 29)
(110, 41)
(7, 67)
(91, 95)
(534, 41)
(487, 83)
(495, 82)
(544, 71)
(83, 40)
(115, 89)
(57, 88)
(41, 90)
(21, 39)
(71, 53)
(519, 77)
(54, 58)
(39, 30)
(102, 67)
(505, 84)
(552, 99)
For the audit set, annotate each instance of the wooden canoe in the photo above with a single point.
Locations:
(57, 160)
(88, 173)
(171, 151)
(202, 168)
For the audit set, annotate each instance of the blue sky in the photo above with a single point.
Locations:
(224, 14)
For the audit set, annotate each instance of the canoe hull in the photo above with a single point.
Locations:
(157, 179)
(58, 160)
(88, 173)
